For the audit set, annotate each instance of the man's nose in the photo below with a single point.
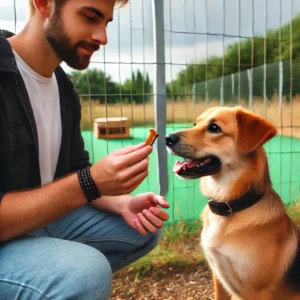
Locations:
(100, 36)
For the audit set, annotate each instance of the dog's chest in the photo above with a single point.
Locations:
(226, 261)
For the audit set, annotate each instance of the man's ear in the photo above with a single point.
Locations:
(43, 7)
(252, 131)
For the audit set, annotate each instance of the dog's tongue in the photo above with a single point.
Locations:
(187, 164)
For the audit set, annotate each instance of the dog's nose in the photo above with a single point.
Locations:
(171, 139)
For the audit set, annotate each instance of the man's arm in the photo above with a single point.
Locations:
(113, 204)
(24, 212)
(118, 173)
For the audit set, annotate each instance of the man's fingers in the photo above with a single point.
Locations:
(161, 201)
(161, 214)
(129, 149)
(136, 169)
(157, 222)
(140, 228)
(149, 227)
(135, 181)
(136, 156)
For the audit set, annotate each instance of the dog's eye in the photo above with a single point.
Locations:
(214, 128)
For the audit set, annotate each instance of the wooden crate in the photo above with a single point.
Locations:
(111, 128)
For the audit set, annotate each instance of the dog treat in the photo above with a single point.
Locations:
(151, 137)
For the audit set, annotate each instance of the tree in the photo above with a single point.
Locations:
(134, 89)
(96, 85)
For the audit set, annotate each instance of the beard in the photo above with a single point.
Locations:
(61, 43)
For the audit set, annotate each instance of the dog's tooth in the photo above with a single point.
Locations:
(207, 160)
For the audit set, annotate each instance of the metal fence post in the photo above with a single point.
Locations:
(280, 84)
(159, 91)
(250, 84)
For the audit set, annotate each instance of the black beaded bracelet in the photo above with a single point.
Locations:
(87, 184)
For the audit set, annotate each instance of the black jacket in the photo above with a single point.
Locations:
(19, 163)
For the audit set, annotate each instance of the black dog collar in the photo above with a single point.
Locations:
(230, 207)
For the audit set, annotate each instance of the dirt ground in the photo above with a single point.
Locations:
(168, 283)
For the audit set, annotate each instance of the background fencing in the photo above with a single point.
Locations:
(213, 53)
(250, 83)
(168, 60)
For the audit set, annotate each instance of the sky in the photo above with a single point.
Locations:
(193, 31)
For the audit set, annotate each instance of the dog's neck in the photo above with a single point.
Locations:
(235, 182)
(233, 206)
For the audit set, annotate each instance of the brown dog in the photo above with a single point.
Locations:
(251, 244)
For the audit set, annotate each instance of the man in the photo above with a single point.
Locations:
(64, 226)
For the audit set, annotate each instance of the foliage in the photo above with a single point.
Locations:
(94, 84)
(97, 85)
(137, 88)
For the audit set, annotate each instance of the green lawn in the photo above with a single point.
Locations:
(184, 196)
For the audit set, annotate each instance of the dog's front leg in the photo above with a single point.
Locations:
(220, 292)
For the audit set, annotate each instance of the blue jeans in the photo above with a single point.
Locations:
(72, 258)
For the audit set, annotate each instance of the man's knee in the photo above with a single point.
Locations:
(85, 275)
(48, 268)
(154, 239)
(145, 245)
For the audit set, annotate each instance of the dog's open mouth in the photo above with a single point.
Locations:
(190, 169)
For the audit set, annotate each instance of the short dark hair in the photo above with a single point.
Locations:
(60, 3)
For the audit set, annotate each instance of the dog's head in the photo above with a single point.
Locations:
(222, 136)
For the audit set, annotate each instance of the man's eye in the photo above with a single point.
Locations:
(214, 128)
(90, 19)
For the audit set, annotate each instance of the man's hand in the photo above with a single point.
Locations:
(143, 214)
(122, 171)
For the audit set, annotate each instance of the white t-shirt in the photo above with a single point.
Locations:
(44, 98)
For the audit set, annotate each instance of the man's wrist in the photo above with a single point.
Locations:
(113, 204)
(124, 199)
(88, 185)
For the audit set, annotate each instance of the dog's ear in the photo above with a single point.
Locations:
(252, 131)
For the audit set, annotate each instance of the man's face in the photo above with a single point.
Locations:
(78, 29)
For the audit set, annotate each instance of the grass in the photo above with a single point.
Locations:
(286, 119)
(180, 246)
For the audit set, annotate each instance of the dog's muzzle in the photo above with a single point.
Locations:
(193, 166)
